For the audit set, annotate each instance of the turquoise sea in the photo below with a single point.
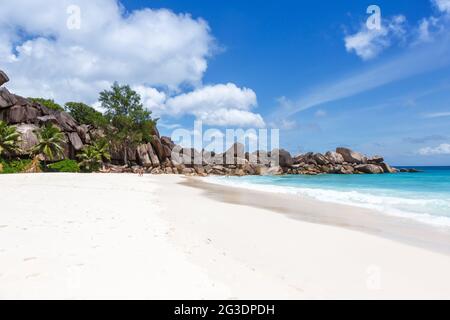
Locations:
(423, 196)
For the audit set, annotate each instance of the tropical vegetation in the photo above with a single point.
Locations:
(64, 166)
(90, 159)
(50, 144)
(9, 140)
(14, 166)
(130, 123)
(85, 114)
(49, 103)
(124, 125)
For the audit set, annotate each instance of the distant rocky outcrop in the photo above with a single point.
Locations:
(162, 155)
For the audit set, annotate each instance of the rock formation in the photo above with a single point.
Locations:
(3, 78)
(161, 155)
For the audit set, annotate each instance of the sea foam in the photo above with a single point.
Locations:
(433, 211)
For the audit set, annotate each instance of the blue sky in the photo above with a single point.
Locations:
(312, 69)
(290, 48)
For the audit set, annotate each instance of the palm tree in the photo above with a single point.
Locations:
(102, 147)
(51, 141)
(9, 139)
(90, 158)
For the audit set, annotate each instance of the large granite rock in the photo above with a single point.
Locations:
(6, 98)
(369, 168)
(83, 132)
(66, 122)
(334, 157)
(21, 114)
(3, 78)
(351, 156)
(143, 155)
(167, 142)
(284, 158)
(167, 152)
(158, 148)
(274, 171)
(153, 157)
(387, 168)
(375, 160)
(75, 140)
(47, 119)
(321, 159)
(28, 137)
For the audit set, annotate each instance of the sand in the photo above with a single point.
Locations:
(106, 236)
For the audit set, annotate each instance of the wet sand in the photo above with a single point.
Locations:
(311, 210)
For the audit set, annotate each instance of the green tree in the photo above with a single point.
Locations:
(85, 114)
(51, 141)
(9, 139)
(102, 147)
(90, 158)
(49, 103)
(131, 122)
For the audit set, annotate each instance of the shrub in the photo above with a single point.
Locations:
(49, 103)
(14, 166)
(64, 166)
(85, 114)
(90, 159)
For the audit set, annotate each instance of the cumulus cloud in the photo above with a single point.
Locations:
(442, 149)
(152, 98)
(221, 105)
(232, 117)
(368, 43)
(46, 56)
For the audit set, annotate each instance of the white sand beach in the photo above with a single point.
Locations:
(107, 236)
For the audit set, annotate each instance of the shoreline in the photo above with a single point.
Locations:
(352, 217)
(318, 261)
(121, 236)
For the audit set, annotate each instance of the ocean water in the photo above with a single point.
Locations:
(423, 196)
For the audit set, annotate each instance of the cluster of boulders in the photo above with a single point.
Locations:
(161, 155)
(28, 117)
(341, 161)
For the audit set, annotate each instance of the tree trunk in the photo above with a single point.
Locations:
(125, 155)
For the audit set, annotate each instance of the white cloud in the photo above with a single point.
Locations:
(286, 124)
(320, 113)
(442, 149)
(442, 5)
(146, 49)
(368, 43)
(213, 97)
(222, 104)
(151, 98)
(437, 115)
(231, 117)
(152, 47)
(413, 62)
